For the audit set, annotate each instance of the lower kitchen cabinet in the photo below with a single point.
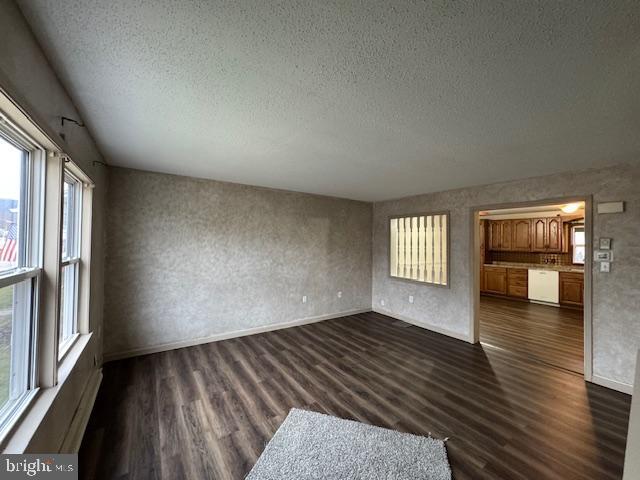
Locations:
(518, 282)
(572, 289)
(495, 280)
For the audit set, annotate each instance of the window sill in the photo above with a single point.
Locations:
(17, 437)
(66, 346)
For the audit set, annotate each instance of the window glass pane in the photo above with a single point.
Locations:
(12, 166)
(579, 254)
(578, 237)
(15, 339)
(68, 302)
(65, 219)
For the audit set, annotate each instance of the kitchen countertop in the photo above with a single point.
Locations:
(538, 266)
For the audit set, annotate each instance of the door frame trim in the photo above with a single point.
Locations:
(474, 258)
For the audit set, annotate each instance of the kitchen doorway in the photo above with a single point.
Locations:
(532, 281)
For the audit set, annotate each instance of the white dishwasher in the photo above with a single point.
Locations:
(544, 286)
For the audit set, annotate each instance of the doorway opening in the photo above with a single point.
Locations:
(531, 292)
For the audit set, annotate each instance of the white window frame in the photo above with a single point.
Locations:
(574, 245)
(69, 302)
(27, 273)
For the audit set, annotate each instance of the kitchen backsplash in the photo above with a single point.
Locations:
(529, 257)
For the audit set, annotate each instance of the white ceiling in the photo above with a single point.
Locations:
(366, 100)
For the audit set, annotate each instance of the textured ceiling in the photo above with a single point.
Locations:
(367, 100)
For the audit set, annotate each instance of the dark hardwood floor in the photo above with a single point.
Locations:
(206, 412)
(544, 333)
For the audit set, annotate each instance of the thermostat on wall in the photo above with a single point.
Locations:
(603, 255)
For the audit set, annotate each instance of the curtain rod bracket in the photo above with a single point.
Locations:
(71, 120)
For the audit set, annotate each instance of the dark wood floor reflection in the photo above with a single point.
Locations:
(544, 333)
(207, 411)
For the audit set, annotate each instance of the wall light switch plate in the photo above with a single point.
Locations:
(605, 243)
(410, 298)
(605, 267)
(382, 303)
(339, 294)
(304, 299)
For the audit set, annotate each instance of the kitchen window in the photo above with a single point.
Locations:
(579, 246)
(70, 263)
(419, 248)
(21, 185)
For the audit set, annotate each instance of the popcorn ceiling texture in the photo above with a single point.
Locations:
(190, 258)
(368, 100)
(616, 295)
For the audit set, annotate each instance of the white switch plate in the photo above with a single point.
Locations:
(339, 294)
(605, 267)
(304, 299)
(382, 303)
(410, 298)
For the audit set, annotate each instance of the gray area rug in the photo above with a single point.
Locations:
(311, 445)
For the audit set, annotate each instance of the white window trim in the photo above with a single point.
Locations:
(30, 253)
(49, 373)
(73, 259)
(573, 245)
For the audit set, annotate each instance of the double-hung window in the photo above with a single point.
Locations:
(21, 185)
(579, 245)
(70, 264)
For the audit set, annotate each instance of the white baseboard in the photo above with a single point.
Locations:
(427, 326)
(613, 384)
(226, 335)
(73, 439)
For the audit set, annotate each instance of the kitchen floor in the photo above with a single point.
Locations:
(547, 334)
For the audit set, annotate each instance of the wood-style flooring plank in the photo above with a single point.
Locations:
(208, 411)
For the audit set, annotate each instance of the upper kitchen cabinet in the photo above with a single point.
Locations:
(546, 234)
(521, 235)
(500, 235)
(554, 239)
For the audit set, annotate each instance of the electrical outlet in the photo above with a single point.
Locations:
(339, 294)
(304, 299)
(382, 303)
(410, 298)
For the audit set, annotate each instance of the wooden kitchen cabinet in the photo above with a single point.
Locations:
(500, 235)
(518, 282)
(521, 235)
(546, 235)
(572, 289)
(538, 234)
(554, 234)
(495, 280)
(495, 235)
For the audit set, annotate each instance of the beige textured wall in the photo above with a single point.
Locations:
(190, 258)
(26, 75)
(616, 295)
